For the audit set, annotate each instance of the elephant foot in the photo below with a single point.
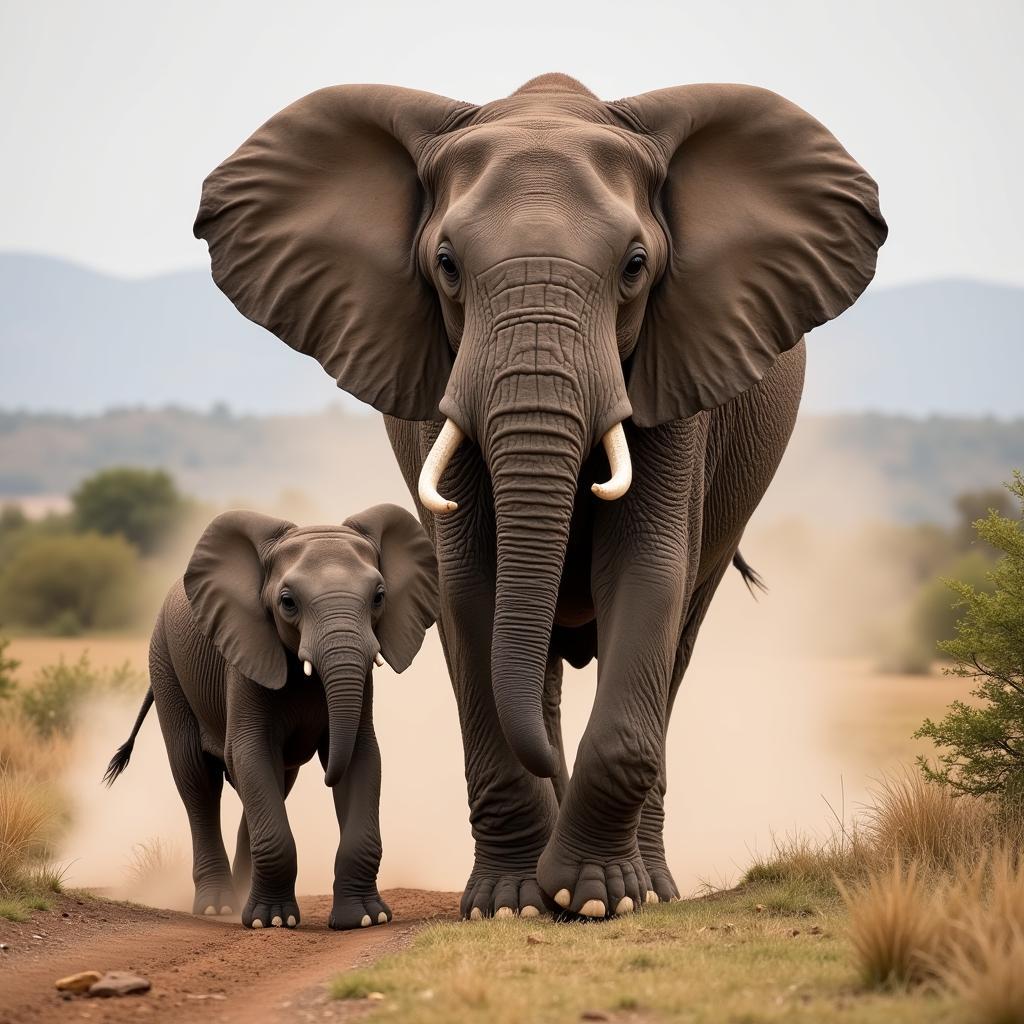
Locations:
(502, 892)
(215, 896)
(593, 884)
(662, 883)
(270, 912)
(364, 911)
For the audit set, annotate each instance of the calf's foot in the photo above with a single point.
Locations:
(214, 896)
(359, 911)
(270, 911)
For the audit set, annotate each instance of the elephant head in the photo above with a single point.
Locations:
(335, 597)
(534, 272)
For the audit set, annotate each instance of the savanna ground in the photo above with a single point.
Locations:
(778, 946)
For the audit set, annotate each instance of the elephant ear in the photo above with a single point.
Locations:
(773, 229)
(312, 227)
(224, 584)
(409, 569)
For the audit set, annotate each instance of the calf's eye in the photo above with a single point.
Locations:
(378, 599)
(288, 605)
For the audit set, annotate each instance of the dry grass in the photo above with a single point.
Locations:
(896, 927)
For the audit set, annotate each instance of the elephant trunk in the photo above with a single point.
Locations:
(342, 660)
(534, 471)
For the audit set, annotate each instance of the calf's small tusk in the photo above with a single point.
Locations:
(378, 660)
(617, 450)
(434, 466)
(307, 667)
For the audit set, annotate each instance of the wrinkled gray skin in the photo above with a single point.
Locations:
(537, 270)
(638, 576)
(261, 597)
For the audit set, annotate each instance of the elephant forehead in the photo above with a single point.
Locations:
(562, 189)
(315, 549)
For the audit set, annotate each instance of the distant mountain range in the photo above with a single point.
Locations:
(73, 340)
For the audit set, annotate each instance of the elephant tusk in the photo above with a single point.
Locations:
(307, 667)
(435, 464)
(378, 660)
(618, 459)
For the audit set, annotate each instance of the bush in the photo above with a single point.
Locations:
(981, 746)
(53, 700)
(8, 666)
(69, 583)
(141, 505)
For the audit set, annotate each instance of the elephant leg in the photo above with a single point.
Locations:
(511, 812)
(592, 864)
(651, 830)
(241, 866)
(357, 902)
(199, 779)
(553, 722)
(262, 783)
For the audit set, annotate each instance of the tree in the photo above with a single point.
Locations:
(67, 583)
(981, 745)
(141, 505)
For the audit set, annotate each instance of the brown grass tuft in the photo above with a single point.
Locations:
(27, 821)
(895, 927)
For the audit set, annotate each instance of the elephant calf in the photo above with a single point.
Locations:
(262, 655)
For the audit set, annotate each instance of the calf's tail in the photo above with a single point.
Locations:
(120, 760)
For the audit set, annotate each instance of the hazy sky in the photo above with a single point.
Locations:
(113, 112)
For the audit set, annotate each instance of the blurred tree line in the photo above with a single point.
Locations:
(935, 555)
(82, 570)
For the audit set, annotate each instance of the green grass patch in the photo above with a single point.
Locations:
(770, 951)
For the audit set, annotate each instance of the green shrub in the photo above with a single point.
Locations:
(8, 666)
(69, 583)
(51, 703)
(981, 745)
(141, 505)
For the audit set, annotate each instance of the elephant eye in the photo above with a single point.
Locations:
(634, 265)
(448, 266)
(378, 598)
(288, 605)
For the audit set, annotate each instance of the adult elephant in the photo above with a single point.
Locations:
(587, 295)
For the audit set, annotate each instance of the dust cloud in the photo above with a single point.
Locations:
(769, 725)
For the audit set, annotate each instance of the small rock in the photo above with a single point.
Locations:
(80, 982)
(65, 914)
(594, 1015)
(119, 983)
(816, 930)
(39, 937)
(536, 939)
(219, 995)
(760, 908)
(375, 996)
(4, 947)
(795, 932)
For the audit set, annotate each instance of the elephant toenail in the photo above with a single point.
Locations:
(291, 921)
(529, 912)
(276, 921)
(210, 910)
(652, 897)
(563, 898)
(257, 923)
(382, 918)
(592, 908)
(365, 922)
(503, 912)
(475, 915)
(226, 909)
(624, 906)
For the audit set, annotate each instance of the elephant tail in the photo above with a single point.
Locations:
(120, 760)
(751, 576)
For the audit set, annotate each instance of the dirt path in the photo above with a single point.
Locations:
(206, 969)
